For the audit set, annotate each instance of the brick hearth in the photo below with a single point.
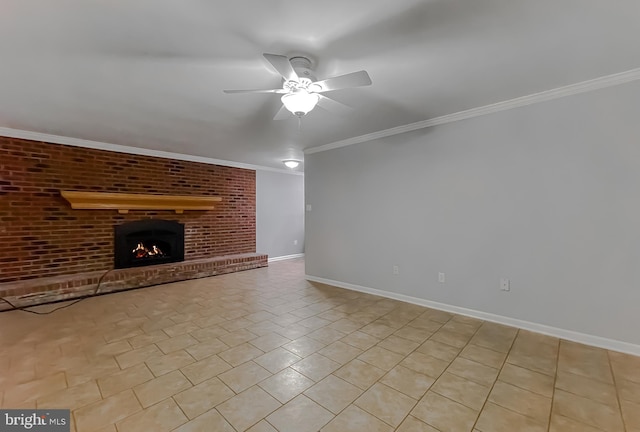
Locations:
(56, 288)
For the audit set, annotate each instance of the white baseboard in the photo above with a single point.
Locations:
(286, 257)
(597, 341)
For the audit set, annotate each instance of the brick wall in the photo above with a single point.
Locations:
(40, 235)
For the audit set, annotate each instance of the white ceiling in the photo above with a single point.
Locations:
(150, 73)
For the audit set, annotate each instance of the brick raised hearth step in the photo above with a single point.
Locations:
(45, 290)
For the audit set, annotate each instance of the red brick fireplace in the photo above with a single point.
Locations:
(48, 247)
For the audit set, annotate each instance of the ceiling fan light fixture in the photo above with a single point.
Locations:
(300, 102)
(291, 163)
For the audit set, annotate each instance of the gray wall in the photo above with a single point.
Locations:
(546, 195)
(279, 213)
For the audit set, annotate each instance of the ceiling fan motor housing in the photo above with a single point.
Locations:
(302, 66)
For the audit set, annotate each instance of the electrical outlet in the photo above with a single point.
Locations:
(441, 277)
(505, 284)
(396, 270)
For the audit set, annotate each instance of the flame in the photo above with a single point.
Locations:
(141, 251)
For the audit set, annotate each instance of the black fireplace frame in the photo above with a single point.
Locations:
(127, 235)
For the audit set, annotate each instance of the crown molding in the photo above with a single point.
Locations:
(572, 89)
(77, 142)
(547, 95)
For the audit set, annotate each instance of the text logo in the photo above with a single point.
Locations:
(35, 420)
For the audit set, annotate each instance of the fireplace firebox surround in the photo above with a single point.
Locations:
(148, 242)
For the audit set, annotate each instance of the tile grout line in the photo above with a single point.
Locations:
(496, 380)
(445, 369)
(377, 381)
(615, 385)
(182, 411)
(407, 355)
(583, 396)
(553, 389)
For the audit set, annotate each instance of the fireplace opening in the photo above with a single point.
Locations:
(148, 242)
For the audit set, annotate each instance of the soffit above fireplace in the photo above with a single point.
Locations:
(123, 202)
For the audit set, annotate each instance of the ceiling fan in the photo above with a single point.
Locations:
(301, 92)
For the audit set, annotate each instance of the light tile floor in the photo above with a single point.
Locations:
(264, 350)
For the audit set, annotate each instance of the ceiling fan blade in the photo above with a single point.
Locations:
(353, 79)
(334, 106)
(282, 114)
(282, 65)
(281, 91)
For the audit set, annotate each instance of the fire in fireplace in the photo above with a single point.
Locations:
(148, 242)
(141, 251)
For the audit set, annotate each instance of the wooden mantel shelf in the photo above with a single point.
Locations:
(124, 202)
